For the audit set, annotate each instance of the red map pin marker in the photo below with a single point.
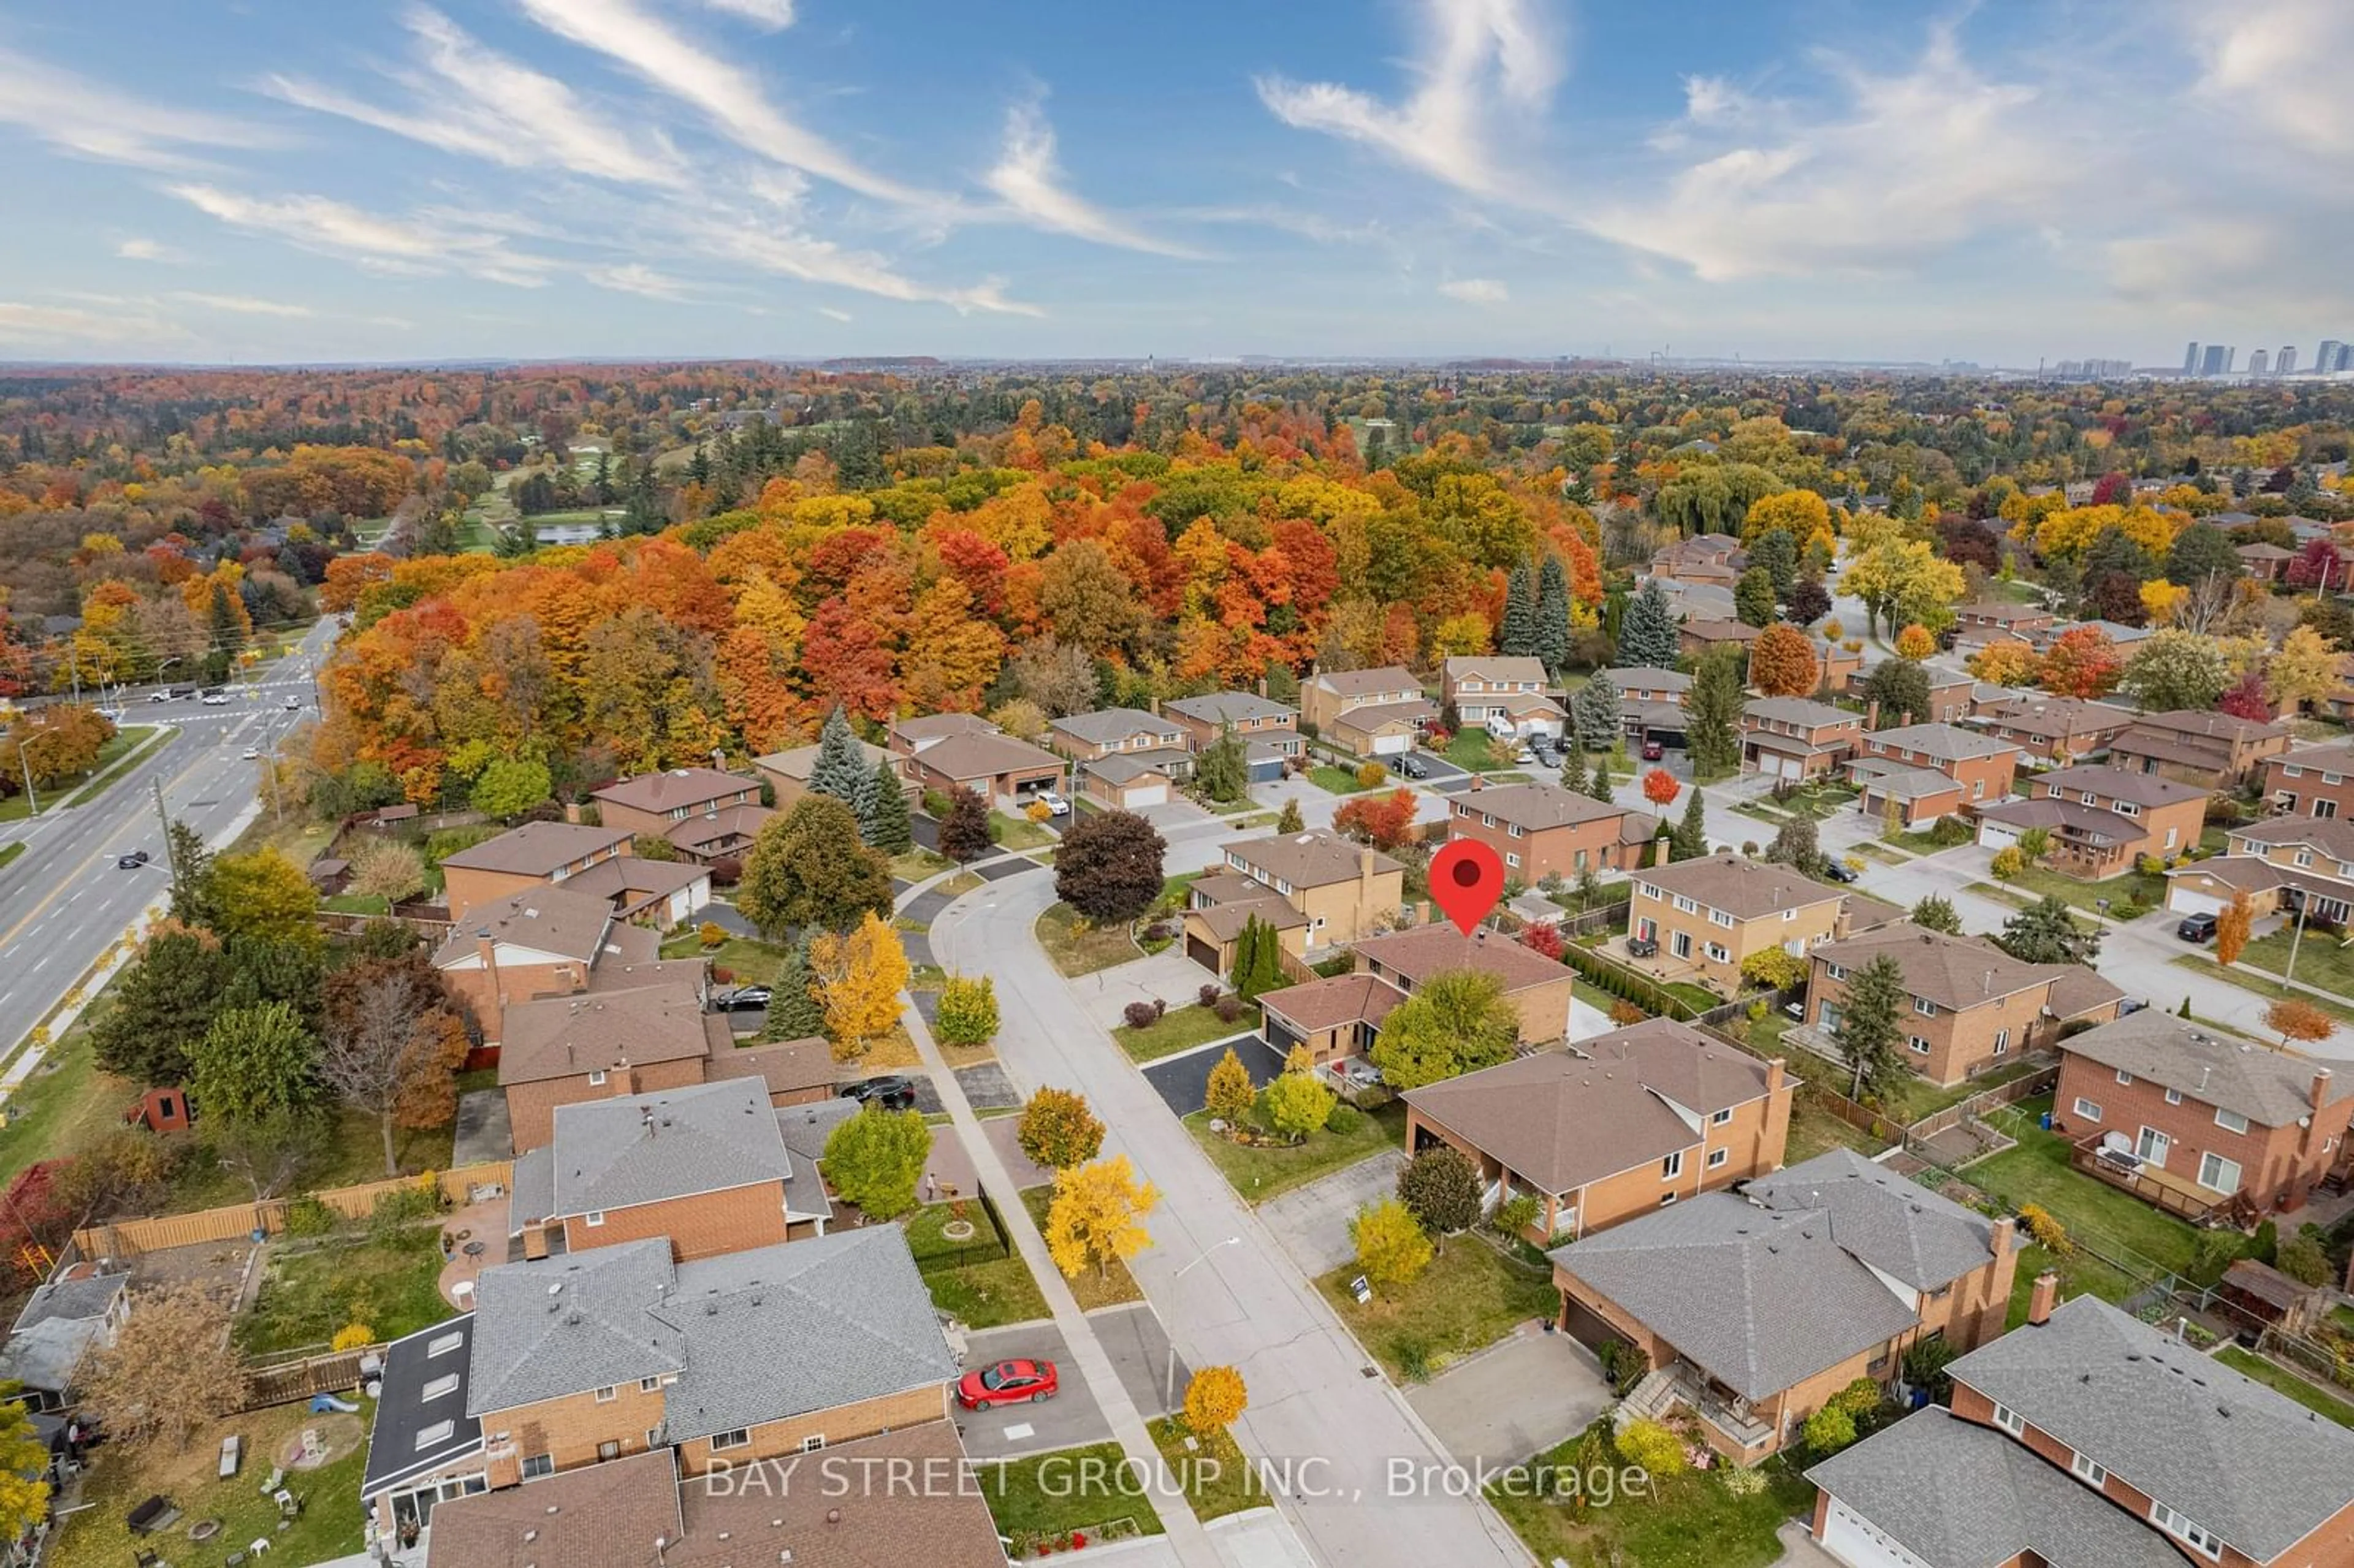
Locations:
(1467, 878)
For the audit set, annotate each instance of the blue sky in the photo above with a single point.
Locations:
(272, 181)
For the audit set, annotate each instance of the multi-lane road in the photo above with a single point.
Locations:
(63, 901)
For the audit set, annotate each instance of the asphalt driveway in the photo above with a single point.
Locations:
(1517, 1398)
(1183, 1082)
(1138, 1348)
(1313, 1222)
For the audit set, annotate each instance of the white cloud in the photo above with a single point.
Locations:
(147, 251)
(1475, 290)
(1474, 53)
(63, 324)
(788, 254)
(412, 247)
(636, 278)
(728, 96)
(771, 15)
(473, 100)
(244, 304)
(832, 314)
(2281, 62)
(96, 120)
(1028, 179)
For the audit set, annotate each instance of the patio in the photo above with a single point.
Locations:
(2176, 1194)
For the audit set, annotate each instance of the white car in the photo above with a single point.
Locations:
(214, 699)
(293, 704)
(252, 754)
(1055, 805)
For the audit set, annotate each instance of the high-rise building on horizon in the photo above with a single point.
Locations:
(2260, 363)
(2190, 358)
(2330, 356)
(2285, 362)
(2216, 360)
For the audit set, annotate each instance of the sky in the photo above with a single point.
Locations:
(278, 181)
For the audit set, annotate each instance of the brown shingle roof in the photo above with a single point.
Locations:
(1325, 1003)
(2213, 726)
(1539, 806)
(868, 1523)
(680, 786)
(563, 1036)
(601, 1516)
(1317, 858)
(1743, 888)
(632, 883)
(1368, 682)
(1955, 972)
(786, 1066)
(1946, 742)
(1416, 956)
(550, 919)
(1369, 716)
(537, 849)
(1720, 630)
(2122, 784)
(963, 756)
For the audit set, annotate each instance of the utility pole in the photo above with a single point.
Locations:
(171, 850)
(32, 801)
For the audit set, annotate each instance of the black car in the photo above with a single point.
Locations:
(891, 1091)
(1837, 872)
(744, 999)
(2196, 928)
(130, 862)
(1406, 765)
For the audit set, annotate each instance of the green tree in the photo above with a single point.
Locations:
(163, 1004)
(265, 895)
(1796, 842)
(1936, 911)
(191, 865)
(1713, 725)
(964, 830)
(1230, 1096)
(1597, 783)
(507, 788)
(1392, 1248)
(1108, 867)
(1222, 769)
(2201, 551)
(1869, 1022)
(2174, 669)
(894, 826)
(1440, 1190)
(1517, 636)
(968, 1011)
(1572, 766)
(1552, 615)
(1262, 972)
(1647, 633)
(1297, 1103)
(1690, 838)
(1455, 1022)
(1290, 822)
(874, 1158)
(254, 1063)
(794, 1010)
(1753, 597)
(1057, 1130)
(2047, 933)
(1901, 687)
(842, 771)
(810, 868)
(1775, 554)
(1596, 715)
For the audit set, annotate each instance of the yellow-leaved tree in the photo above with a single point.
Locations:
(2305, 670)
(859, 978)
(1098, 1215)
(24, 1461)
(1214, 1400)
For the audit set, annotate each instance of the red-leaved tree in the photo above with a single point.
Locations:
(2082, 662)
(1659, 786)
(2247, 700)
(1385, 822)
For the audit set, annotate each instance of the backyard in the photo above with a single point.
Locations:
(1259, 1171)
(1108, 1286)
(1471, 1296)
(1182, 1028)
(1078, 946)
(981, 1281)
(315, 1289)
(2116, 1223)
(1691, 1521)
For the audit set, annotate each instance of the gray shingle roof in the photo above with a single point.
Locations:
(1946, 742)
(1106, 726)
(2255, 1466)
(1759, 1299)
(562, 1325)
(1648, 678)
(1230, 707)
(1798, 710)
(1536, 807)
(1899, 1227)
(546, 919)
(1959, 1495)
(2333, 836)
(2271, 1088)
(643, 1148)
(537, 849)
(565, 1036)
(1368, 682)
(2119, 784)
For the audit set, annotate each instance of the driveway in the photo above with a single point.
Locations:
(1166, 976)
(1175, 814)
(1517, 1398)
(1183, 1082)
(1313, 1222)
(1130, 1335)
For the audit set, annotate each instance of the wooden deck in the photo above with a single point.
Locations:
(2177, 1194)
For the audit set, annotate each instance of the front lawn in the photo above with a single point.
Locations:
(981, 1281)
(1017, 832)
(1043, 1497)
(1691, 1521)
(1216, 1479)
(1259, 1171)
(1078, 946)
(2040, 881)
(2104, 1217)
(1476, 751)
(1469, 1296)
(1109, 1288)
(315, 1289)
(2275, 1376)
(1338, 781)
(747, 960)
(2321, 959)
(1182, 1028)
(918, 864)
(2266, 984)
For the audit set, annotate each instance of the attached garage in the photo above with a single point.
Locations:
(1391, 743)
(1996, 835)
(1136, 795)
(1586, 1326)
(2182, 900)
(1855, 1541)
(1124, 783)
(1205, 952)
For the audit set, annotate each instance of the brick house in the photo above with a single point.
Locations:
(2239, 1119)
(2212, 750)
(1709, 915)
(1971, 1006)
(2266, 561)
(1931, 770)
(2101, 821)
(1269, 731)
(1794, 738)
(2018, 620)
(1695, 638)
(1345, 891)
(655, 802)
(1752, 1310)
(2087, 1436)
(1501, 693)
(1543, 830)
(1383, 729)
(1950, 695)
(703, 1168)
(1647, 684)
(786, 772)
(2285, 865)
(1537, 988)
(1706, 559)
(2057, 729)
(1324, 696)
(1336, 1018)
(1001, 770)
(1128, 733)
(724, 834)
(1611, 1129)
(1129, 783)
(537, 854)
(2312, 780)
(592, 1357)
(550, 942)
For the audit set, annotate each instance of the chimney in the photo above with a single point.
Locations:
(1479, 782)
(1775, 1075)
(2042, 1297)
(487, 951)
(1262, 686)
(535, 1239)
(623, 1080)
(1871, 714)
(1364, 873)
(2320, 1095)
(1153, 705)
(2005, 1230)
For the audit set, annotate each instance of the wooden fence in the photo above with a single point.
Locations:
(2040, 1082)
(287, 1381)
(128, 1238)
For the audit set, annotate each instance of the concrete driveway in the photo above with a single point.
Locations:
(1174, 813)
(1517, 1398)
(1182, 1082)
(1313, 1222)
(1167, 976)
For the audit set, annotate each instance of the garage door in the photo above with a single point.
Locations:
(1146, 795)
(1853, 1540)
(1587, 1328)
(1794, 769)
(1994, 835)
(1202, 952)
(2183, 901)
(1391, 744)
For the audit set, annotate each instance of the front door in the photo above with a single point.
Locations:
(2153, 1147)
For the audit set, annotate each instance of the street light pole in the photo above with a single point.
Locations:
(1169, 1379)
(32, 801)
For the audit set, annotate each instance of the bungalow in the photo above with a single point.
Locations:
(1537, 988)
(788, 772)
(1336, 1018)
(1001, 770)
(537, 854)
(656, 802)
(1612, 1127)
(663, 893)
(563, 1050)
(914, 734)
(1715, 559)
(2101, 821)
(1542, 829)
(2212, 750)
(2216, 1119)
(1926, 771)
(2266, 561)
(1129, 783)
(1753, 1311)
(1794, 738)
(2057, 729)
(1382, 729)
(1950, 695)
(550, 942)
(2002, 615)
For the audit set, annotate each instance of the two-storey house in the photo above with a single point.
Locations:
(1372, 712)
(1269, 731)
(2312, 780)
(2212, 750)
(2101, 821)
(1701, 919)
(1919, 773)
(2286, 865)
(1794, 738)
(1342, 891)
(1502, 694)
(2057, 729)
(1542, 829)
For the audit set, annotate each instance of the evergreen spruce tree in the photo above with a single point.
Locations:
(1518, 636)
(1552, 615)
(1264, 971)
(1647, 633)
(895, 830)
(1690, 837)
(1597, 783)
(1713, 733)
(1573, 766)
(1595, 715)
(1246, 944)
(794, 1010)
(841, 772)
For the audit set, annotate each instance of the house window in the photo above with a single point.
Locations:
(2124, 1077)
(2288, 802)
(647, 1385)
(444, 1344)
(2305, 857)
(2172, 834)
(1719, 918)
(1790, 914)
(1830, 1015)
(2292, 772)
(721, 1441)
(596, 1079)
(440, 1386)
(653, 1438)
(593, 1218)
(2174, 1097)
(1836, 971)
(2218, 1175)
(538, 1465)
(1924, 1007)
(1717, 1157)
(2084, 1469)
(2205, 1542)
(1682, 944)
(2230, 1121)
(1719, 952)
(610, 1449)
(435, 1436)
(1511, 859)
(2001, 1041)
(1718, 1118)
(2128, 809)
(2087, 1109)
(2011, 1421)
(1920, 1046)
(607, 1395)
(1672, 1166)
(812, 1443)
(2325, 809)
(1667, 1198)
(1517, 831)
(1686, 906)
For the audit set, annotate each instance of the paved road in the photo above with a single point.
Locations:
(1244, 1305)
(63, 902)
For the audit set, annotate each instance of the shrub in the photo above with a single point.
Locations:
(2049, 1233)
(1653, 1447)
(306, 1216)
(711, 935)
(1773, 969)
(968, 1011)
(1742, 1481)
(1829, 1429)
(1516, 1213)
(2007, 863)
(1207, 996)
(1623, 1012)
(1140, 1014)
(1371, 774)
(351, 1337)
(2301, 1258)
(1342, 1120)
(1949, 832)
(1227, 1008)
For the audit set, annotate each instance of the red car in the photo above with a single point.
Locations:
(1652, 751)
(1009, 1382)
